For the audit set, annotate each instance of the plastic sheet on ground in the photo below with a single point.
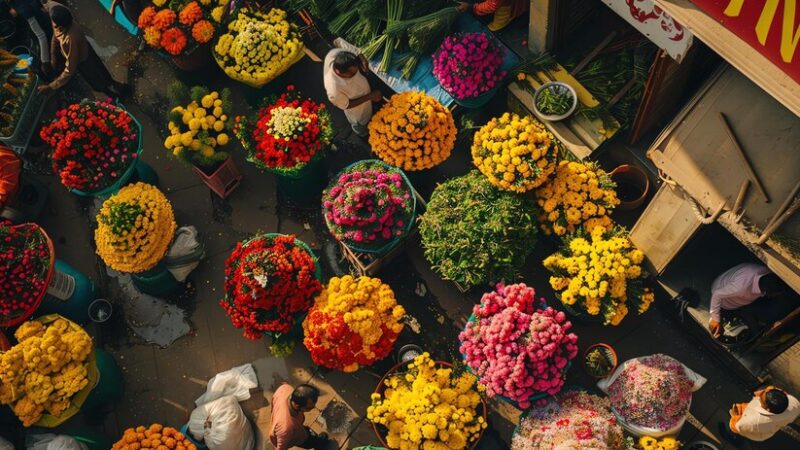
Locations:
(222, 425)
(237, 382)
(185, 253)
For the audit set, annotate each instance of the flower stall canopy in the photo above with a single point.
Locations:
(422, 78)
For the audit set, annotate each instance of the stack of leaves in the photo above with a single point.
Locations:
(15, 77)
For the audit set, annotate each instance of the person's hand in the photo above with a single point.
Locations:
(376, 96)
(463, 7)
(714, 328)
(13, 12)
(44, 89)
(363, 63)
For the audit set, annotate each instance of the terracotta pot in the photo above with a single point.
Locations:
(223, 179)
(633, 185)
(610, 353)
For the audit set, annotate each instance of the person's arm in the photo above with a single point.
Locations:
(486, 7)
(54, 49)
(70, 68)
(714, 311)
(283, 444)
(374, 96)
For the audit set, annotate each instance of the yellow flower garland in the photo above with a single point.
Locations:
(142, 242)
(515, 153)
(412, 131)
(580, 194)
(429, 408)
(598, 273)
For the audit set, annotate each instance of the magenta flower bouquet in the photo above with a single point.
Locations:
(468, 64)
(517, 350)
(369, 205)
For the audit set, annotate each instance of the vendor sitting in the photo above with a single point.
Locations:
(504, 10)
(741, 286)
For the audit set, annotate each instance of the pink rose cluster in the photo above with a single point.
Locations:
(468, 64)
(369, 204)
(517, 349)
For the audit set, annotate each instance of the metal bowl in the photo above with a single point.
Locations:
(553, 85)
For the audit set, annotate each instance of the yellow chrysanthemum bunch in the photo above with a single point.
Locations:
(601, 273)
(515, 153)
(258, 46)
(45, 369)
(664, 443)
(354, 322)
(580, 194)
(429, 407)
(135, 227)
(199, 126)
(412, 131)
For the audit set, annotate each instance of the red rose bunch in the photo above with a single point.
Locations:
(93, 144)
(26, 261)
(286, 133)
(270, 281)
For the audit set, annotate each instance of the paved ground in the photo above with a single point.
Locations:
(162, 383)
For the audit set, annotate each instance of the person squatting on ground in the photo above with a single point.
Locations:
(289, 408)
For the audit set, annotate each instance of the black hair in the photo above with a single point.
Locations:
(776, 401)
(61, 16)
(771, 284)
(305, 393)
(344, 61)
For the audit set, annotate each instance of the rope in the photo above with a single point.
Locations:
(696, 209)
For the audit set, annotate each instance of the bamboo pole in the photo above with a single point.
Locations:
(743, 157)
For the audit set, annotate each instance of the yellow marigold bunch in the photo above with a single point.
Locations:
(602, 274)
(354, 322)
(515, 153)
(45, 369)
(135, 227)
(412, 131)
(580, 194)
(429, 407)
(664, 443)
(258, 46)
(199, 127)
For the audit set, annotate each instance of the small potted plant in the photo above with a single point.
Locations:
(555, 101)
(600, 360)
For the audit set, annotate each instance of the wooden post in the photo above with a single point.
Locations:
(542, 25)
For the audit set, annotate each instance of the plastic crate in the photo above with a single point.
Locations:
(28, 120)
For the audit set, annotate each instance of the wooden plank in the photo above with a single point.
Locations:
(584, 96)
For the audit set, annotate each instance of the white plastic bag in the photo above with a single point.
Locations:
(222, 425)
(697, 382)
(5, 445)
(237, 381)
(51, 441)
(185, 253)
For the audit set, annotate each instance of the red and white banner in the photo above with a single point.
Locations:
(656, 24)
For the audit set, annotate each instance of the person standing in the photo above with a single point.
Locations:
(289, 408)
(770, 410)
(348, 88)
(31, 11)
(504, 11)
(71, 53)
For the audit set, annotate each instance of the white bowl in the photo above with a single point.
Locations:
(550, 117)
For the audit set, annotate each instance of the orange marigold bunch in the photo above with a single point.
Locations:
(152, 37)
(163, 19)
(190, 14)
(173, 40)
(146, 17)
(156, 436)
(203, 31)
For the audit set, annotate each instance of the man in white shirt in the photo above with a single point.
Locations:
(348, 88)
(770, 410)
(740, 286)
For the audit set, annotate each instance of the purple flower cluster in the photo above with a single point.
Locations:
(468, 64)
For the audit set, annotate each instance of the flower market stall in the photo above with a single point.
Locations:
(182, 29)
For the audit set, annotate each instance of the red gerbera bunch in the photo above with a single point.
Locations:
(26, 262)
(270, 281)
(173, 41)
(286, 133)
(93, 144)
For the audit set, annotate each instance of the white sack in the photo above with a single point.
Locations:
(222, 425)
(237, 381)
(51, 441)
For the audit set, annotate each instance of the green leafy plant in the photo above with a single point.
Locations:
(475, 234)
(554, 100)
(599, 362)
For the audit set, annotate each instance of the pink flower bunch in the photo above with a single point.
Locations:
(517, 349)
(369, 204)
(468, 64)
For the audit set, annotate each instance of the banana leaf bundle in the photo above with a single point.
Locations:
(424, 37)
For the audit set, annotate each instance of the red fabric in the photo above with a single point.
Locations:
(10, 168)
(518, 7)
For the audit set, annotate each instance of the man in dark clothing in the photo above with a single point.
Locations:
(31, 11)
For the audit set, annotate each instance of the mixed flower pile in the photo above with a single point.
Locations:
(580, 195)
(570, 420)
(664, 443)
(270, 282)
(198, 124)
(178, 26)
(412, 131)
(468, 64)
(652, 391)
(475, 234)
(45, 369)
(287, 133)
(135, 227)
(429, 407)
(155, 436)
(353, 323)
(601, 273)
(368, 205)
(94, 143)
(258, 46)
(515, 153)
(516, 349)
(26, 262)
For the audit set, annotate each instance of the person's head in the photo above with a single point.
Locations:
(771, 285)
(304, 397)
(345, 64)
(60, 16)
(774, 400)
